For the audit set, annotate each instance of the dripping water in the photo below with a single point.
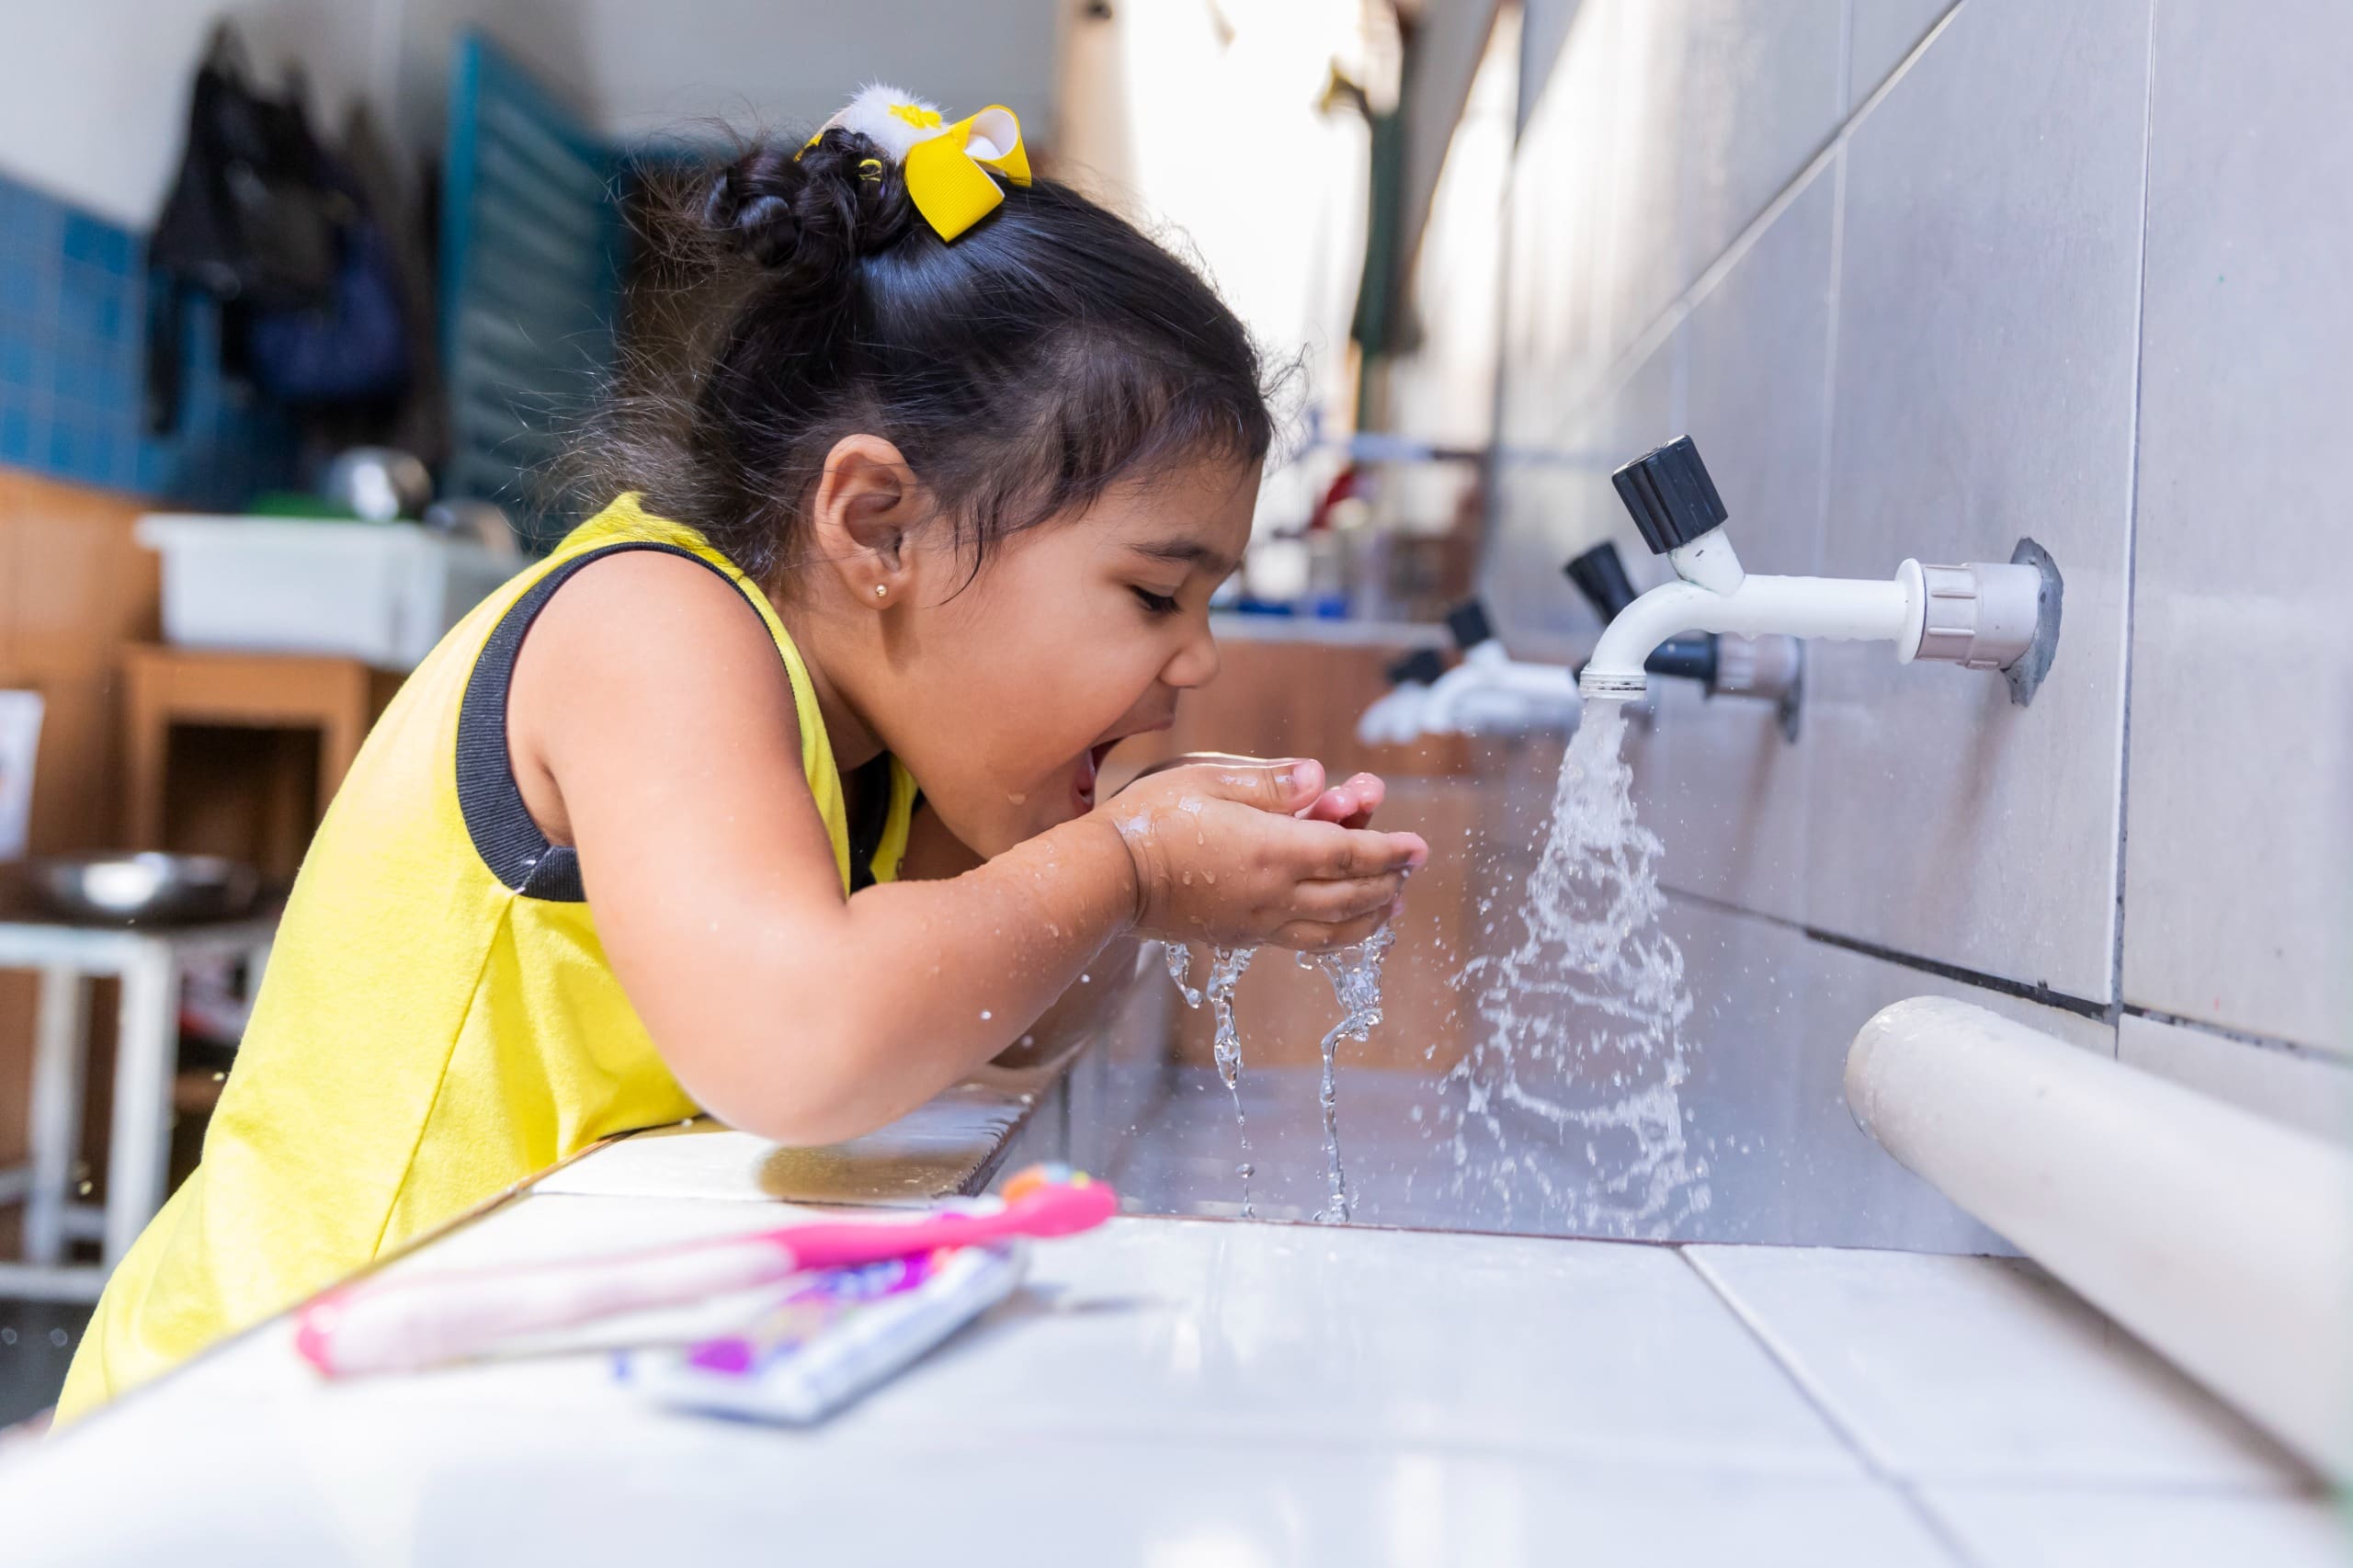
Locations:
(1355, 974)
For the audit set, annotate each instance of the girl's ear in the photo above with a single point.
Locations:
(866, 509)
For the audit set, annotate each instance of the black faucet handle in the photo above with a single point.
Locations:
(1468, 624)
(1669, 493)
(1600, 576)
(1420, 668)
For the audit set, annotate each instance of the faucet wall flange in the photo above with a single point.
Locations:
(2026, 672)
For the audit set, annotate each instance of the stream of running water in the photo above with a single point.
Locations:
(1581, 1022)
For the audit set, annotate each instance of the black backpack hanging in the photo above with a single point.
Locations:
(247, 218)
(260, 220)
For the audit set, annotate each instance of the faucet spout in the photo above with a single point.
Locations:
(1984, 615)
(1794, 607)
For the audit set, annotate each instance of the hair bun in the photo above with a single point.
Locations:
(807, 213)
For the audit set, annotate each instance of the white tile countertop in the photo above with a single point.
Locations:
(1182, 1392)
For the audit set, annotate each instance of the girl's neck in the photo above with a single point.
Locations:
(853, 742)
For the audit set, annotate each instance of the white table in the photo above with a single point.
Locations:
(1235, 1395)
(148, 960)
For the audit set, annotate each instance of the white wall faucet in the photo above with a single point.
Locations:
(1987, 617)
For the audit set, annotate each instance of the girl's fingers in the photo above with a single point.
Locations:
(1350, 802)
(1336, 804)
(1361, 852)
(1318, 937)
(1351, 899)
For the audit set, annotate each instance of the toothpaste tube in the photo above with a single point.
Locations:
(832, 1337)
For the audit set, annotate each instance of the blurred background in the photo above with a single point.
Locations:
(1921, 277)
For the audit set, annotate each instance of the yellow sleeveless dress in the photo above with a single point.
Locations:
(438, 1020)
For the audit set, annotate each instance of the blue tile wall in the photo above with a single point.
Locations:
(72, 330)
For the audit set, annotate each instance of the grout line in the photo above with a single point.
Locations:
(2319, 1054)
(1819, 1400)
(2044, 995)
(1828, 446)
(2101, 1012)
(1881, 88)
(1622, 370)
(2132, 516)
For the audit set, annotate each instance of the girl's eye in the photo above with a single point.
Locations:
(1155, 603)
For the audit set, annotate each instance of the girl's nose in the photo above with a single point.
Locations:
(1195, 664)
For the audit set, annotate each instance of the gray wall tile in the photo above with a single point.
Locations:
(1641, 261)
(1552, 504)
(1763, 96)
(1773, 1012)
(1882, 32)
(2300, 1089)
(1983, 391)
(1722, 784)
(1551, 357)
(2239, 878)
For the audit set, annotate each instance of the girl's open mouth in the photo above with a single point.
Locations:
(1090, 764)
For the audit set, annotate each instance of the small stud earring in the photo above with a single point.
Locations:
(880, 589)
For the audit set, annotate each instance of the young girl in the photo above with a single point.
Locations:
(772, 792)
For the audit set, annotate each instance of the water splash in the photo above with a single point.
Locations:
(1355, 974)
(1180, 966)
(1227, 965)
(1582, 1019)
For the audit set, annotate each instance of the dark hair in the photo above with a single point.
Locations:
(1048, 353)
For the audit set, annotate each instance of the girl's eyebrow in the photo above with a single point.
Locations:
(1185, 551)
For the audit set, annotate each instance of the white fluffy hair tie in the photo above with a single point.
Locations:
(892, 117)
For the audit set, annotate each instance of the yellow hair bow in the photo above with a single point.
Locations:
(948, 175)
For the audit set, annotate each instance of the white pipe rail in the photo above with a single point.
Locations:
(2223, 1240)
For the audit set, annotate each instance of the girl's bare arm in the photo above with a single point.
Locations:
(1083, 1010)
(650, 719)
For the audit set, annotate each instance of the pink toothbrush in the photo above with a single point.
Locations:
(408, 1324)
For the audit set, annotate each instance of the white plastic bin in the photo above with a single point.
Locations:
(380, 592)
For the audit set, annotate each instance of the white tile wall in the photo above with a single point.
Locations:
(1757, 372)
(2300, 1089)
(1641, 260)
(1880, 33)
(1561, 504)
(1773, 1012)
(2239, 878)
(1560, 194)
(1991, 344)
(1984, 390)
(1720, 780)
(1763, 96)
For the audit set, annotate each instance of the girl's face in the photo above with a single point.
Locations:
(1003, 698)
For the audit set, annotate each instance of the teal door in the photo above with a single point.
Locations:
(532, 247)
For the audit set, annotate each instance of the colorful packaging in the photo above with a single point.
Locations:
(833, 1335)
